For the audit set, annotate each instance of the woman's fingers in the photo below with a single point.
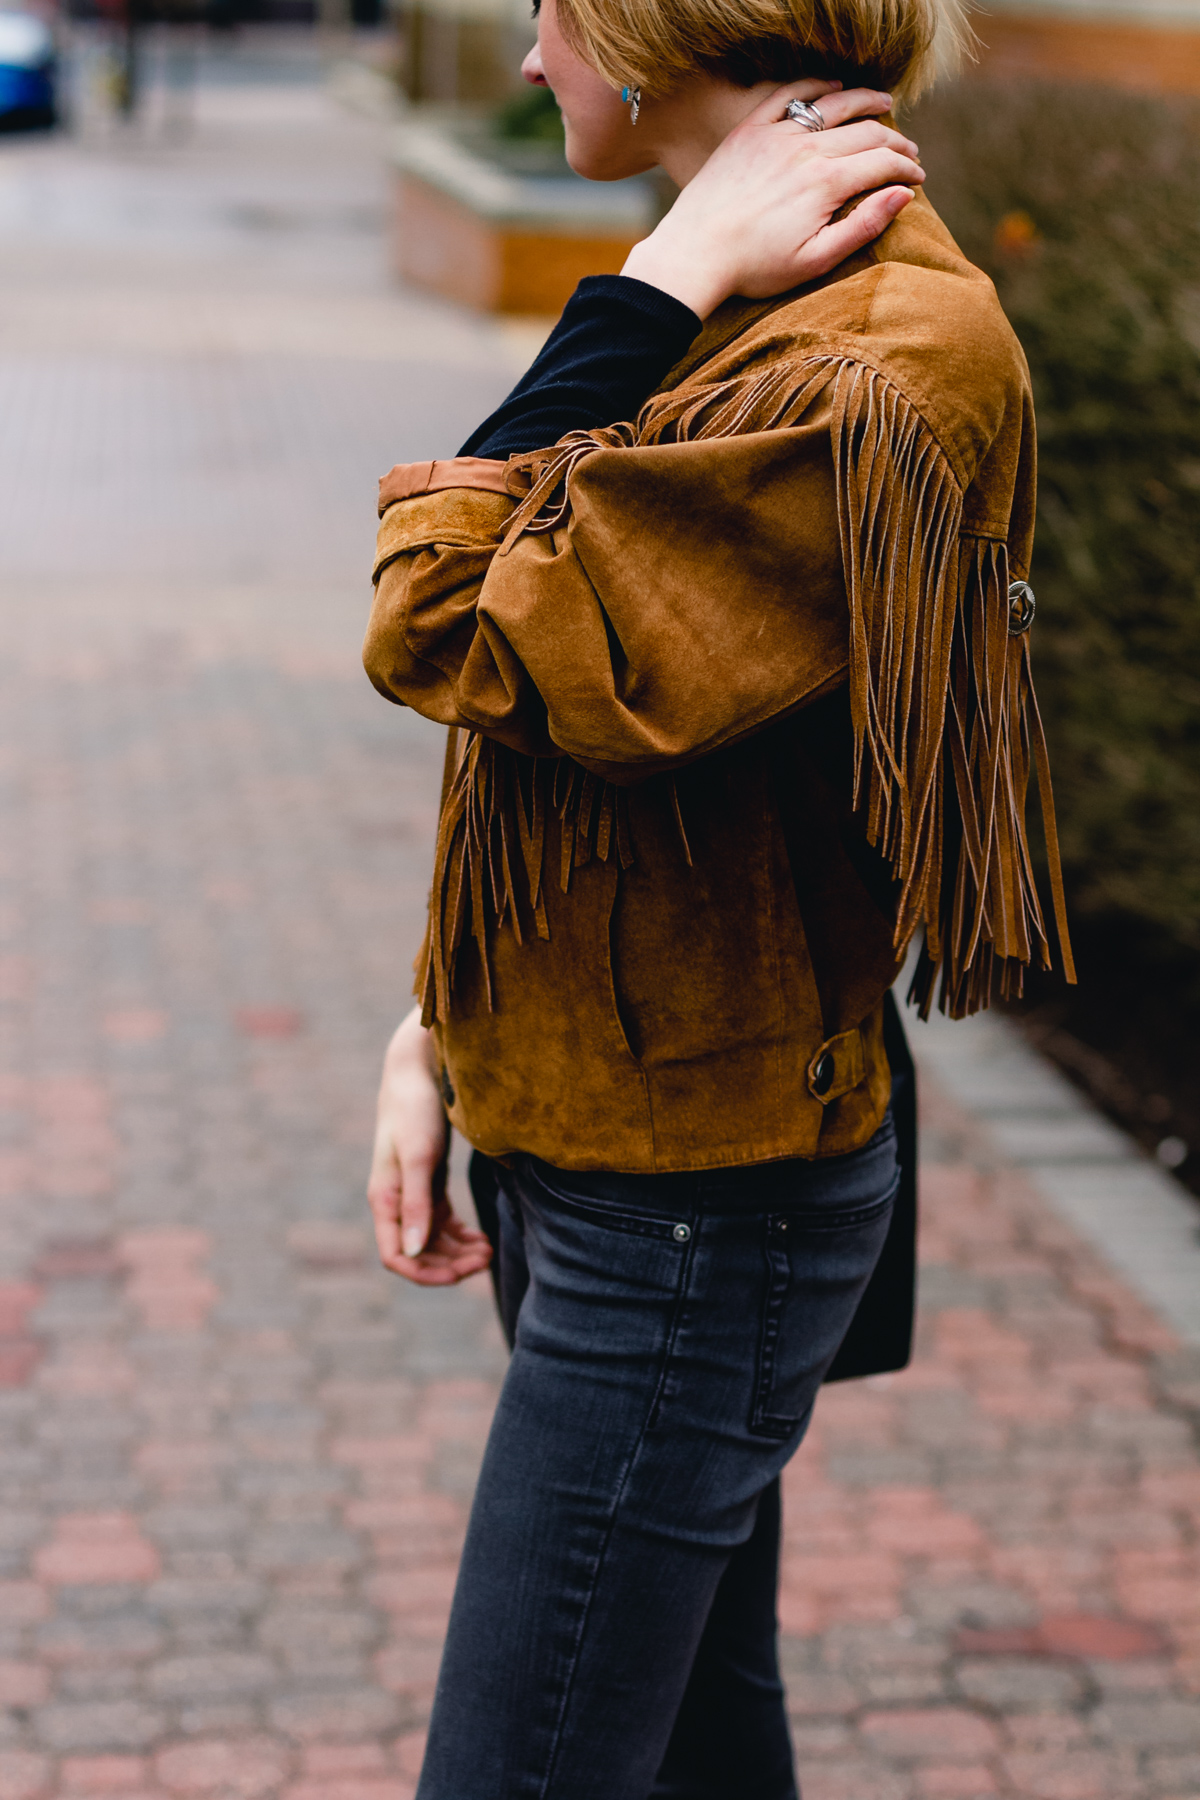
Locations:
(836, 105)
(835, 242)
(456, 1230)
(407, 1184)
(401, 1193)
(775, 105)
(862, 134)
(416, 1230)
(454, 1251)
(420, 1167)
(849, 104)
(384, 1188)
(846, 176)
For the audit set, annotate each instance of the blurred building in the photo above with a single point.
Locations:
(464, 51)
(1149, 45)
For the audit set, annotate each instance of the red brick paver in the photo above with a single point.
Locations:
(236, 1459)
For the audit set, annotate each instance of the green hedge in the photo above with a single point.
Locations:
(1084, 207)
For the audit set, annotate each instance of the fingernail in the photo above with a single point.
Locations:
(414, 1241)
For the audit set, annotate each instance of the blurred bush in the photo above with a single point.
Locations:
(1084, 207)
(530, 116)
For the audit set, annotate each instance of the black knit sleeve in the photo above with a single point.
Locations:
(614, 343)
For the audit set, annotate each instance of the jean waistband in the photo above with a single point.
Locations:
(794, 1182)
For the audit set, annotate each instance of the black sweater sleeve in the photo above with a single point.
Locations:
(614, 343)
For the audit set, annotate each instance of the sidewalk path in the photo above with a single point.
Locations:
(236, 1458)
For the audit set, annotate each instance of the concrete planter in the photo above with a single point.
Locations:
(506, 227)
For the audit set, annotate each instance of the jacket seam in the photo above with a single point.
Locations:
(974, 535)
(939, 430)
(858, 353)
(848, 345)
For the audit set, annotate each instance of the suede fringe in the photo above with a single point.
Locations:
(946, 725)
(494, 822)
(945, 719)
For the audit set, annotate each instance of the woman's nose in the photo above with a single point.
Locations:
(532, 70)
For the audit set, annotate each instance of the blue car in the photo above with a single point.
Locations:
(28, 67)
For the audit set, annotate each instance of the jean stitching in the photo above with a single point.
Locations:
(862, 1215)
(568, 1686)
(659, 1227)
(775, 1425)
(623, 1222)
(673, 1333)
(778, 1281)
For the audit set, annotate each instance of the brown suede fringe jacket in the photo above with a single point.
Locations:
(740, 702)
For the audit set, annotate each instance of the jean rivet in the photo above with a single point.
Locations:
(682, 1233)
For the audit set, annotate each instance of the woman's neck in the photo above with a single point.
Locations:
(685, 126)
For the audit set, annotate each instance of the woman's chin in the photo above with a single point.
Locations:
(604, 161)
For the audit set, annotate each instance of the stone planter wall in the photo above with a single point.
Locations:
(505, 228)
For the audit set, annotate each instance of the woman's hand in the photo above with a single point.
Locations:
(756, 219)
(416, 1228)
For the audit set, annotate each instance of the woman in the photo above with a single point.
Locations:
(717, 607)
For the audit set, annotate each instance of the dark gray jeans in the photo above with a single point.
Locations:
(613, 1635)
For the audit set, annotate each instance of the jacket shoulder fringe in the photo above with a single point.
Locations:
(946, 723)
(945, 720)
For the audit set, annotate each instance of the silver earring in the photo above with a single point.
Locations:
(632, 97)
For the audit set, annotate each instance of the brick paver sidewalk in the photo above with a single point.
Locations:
(236, 1458)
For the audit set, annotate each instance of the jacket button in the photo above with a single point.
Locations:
(822, 1075)
(682, 1233)
(1022, 608)
(447, 1087)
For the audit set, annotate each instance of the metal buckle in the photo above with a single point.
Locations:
(1021, 608)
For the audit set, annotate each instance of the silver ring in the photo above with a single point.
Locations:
(806, 115)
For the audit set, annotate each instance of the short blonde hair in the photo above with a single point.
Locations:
(897, 45)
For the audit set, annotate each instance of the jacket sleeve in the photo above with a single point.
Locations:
(691, 593)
